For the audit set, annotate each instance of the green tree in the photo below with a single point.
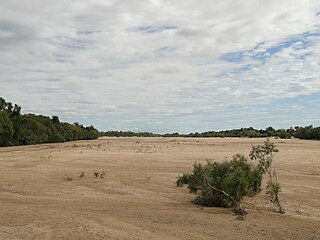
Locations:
(29, 130)
(6, 130)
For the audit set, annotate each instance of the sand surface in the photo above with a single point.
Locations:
(138, 198)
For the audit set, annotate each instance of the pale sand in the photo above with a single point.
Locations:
(138, 198)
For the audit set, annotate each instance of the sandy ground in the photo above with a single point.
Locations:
(138, 199)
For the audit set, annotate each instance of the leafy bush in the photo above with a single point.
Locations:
(223, 184)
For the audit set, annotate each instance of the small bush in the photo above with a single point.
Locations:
(82, 175)
(223, 184)
(102, 174)
(98, 174)
(67, 178)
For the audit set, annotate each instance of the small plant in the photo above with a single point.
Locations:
(102, 174)
(298, 210)
(265, 154)
(81, 175)
(67, 178)
(98, 174)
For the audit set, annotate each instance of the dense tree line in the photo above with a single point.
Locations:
(24, 129)
(246, 132)
(308, 132)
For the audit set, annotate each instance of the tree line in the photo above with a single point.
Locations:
(25, 129)
(308, 132)
(128, 134)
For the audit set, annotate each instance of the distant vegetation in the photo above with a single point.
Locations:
(24, 129)
(128, 134)
(308, 132)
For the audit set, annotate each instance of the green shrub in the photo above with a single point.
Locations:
(223, 184)
(98, 174)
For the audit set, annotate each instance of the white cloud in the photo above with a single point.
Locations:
(134, 62)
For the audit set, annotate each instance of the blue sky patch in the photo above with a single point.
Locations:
(304, 100)
(233, 57)
(301, 41)
(87, 33)
(78, 44)
(164, 50)
(153, 29)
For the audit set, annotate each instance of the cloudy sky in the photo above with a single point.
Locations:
(163, 65)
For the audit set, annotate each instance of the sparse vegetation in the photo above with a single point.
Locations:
(102, 174)
(132, 179)
(82, 174)
(67, 178)
(98, 174)
(225, 184)
(264, 154)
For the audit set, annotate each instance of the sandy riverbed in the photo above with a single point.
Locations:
(138, 199)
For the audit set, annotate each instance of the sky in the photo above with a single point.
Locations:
(161, 65)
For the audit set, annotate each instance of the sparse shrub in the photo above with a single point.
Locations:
(67, 178)
(98, 174)
(82, 175)
(265, 154)
(102, 174)
(223, 184)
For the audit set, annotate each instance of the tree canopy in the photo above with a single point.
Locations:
(24, 129)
